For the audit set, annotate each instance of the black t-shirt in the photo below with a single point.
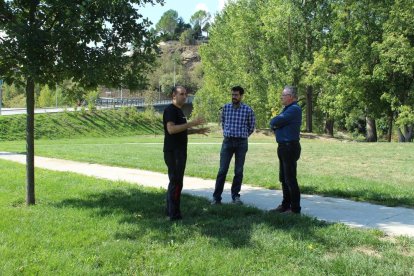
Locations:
(177, 140)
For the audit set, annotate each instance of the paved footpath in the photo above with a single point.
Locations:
(391, 220)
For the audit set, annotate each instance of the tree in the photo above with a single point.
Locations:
(199, 20)
(93, 42)
(181, 28)
(13, 96)
(263, 45)
(167, 24)
(357, 26)
(232, 57)
(46, 98)
(206, 28)
(293, 31)
(395, 69)
(187, 37)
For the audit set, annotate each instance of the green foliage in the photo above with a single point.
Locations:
(200, 17)
(90, 42)
(17, 101)
(167, 24)
(46, 97)
(261, 46)
(353, 55)
(79, 124)
(187, 37)
(395, 69)
(91, 98)
(199, 21)
(87, 42)
(13, 95)
(181, 28)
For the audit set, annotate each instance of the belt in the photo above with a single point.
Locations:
(235, 138)
(288, 143)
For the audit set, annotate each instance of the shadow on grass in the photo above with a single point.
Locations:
(228, 225)
(391, 199)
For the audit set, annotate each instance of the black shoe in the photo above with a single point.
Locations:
(237, 201)
(280, 209)
(215, 202)
(291, 212)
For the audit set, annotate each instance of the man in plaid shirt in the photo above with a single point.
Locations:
(238, 123)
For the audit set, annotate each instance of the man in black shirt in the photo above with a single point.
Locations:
(176, 130)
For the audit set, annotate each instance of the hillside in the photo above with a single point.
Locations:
(102, 123)
(188, 54)
(187, 71)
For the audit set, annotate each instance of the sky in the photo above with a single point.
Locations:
(184, 8)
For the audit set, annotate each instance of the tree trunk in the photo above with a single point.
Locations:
(309, 107)
(329, 125)
(410, 133)
(30, 179)
(405, 135)
(371, 130)
(401, 137)
(389, 134)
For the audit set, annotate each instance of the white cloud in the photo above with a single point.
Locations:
(221, 4)
(201, 6)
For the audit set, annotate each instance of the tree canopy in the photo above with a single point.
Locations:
(168, 24)
(173, 27)
(351, 60)
(90, 42)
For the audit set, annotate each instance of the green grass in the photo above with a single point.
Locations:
(375, 172)
(87, 226)
(102, 123)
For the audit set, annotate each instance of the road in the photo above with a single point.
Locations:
(15, 111)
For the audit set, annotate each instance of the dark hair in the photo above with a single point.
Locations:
(175, 88)
(238, 89)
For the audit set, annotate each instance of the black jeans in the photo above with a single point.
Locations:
(175, 161)
(230, 146)
(289, 154)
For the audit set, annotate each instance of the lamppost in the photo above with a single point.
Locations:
(1, 96)
(174, 72)
(159, 91)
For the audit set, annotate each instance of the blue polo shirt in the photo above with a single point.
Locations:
(287, 124)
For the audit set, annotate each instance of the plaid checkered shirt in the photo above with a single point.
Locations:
(237, 122)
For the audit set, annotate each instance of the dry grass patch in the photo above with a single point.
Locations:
(367, 251)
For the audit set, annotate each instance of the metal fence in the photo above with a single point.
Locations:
(118, 102)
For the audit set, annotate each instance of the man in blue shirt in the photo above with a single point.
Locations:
(238, 122)
(286, 126)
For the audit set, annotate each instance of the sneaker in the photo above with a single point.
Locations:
(215, 202)
(280, 209)
(237, 201)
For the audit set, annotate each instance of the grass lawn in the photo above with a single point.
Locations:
(86, 226)
(375, 172)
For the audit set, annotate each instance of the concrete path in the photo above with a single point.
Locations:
(392, 220)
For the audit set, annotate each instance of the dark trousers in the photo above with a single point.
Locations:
(289, 154)
(175, 161)
(230, 146)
